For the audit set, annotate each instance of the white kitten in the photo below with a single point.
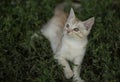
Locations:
(68, 38)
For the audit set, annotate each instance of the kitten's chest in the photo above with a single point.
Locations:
(71, 48)
(72, 45)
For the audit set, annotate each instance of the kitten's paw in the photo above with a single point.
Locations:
(68, 74)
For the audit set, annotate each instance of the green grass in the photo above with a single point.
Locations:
(21, 62)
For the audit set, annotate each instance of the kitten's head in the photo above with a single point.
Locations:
(77, 28)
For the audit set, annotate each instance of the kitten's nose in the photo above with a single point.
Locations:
(69, 30)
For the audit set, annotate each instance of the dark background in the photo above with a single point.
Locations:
(24, 61)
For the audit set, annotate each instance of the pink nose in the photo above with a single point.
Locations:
(69, 30)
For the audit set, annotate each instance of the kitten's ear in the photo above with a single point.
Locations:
(89, 23)
(71, 15)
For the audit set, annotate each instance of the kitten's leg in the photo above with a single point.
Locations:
(76, 69)
(67, 70)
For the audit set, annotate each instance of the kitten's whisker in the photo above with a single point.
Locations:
(78, 35)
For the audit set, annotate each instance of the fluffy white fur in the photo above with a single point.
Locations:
(68, 38)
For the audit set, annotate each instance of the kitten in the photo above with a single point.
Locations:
(68, 38)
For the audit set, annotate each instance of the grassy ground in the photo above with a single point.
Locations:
(21, 62)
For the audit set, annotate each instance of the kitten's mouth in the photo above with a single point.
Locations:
(68, 31)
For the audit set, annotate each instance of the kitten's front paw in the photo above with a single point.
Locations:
(68, 74)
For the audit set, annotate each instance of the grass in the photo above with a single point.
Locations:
(22, 62)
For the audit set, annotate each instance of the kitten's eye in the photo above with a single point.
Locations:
(67, 25)
(76, 29)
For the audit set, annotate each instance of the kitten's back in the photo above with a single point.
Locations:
(54, 28)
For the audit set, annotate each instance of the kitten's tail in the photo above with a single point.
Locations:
(60, 7)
